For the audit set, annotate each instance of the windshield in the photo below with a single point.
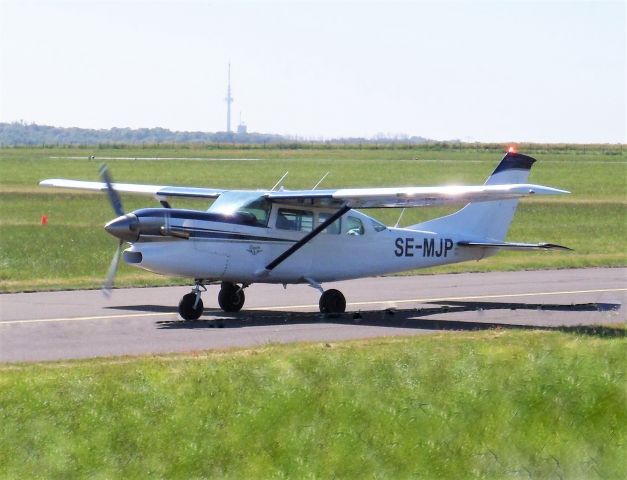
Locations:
(248, 203)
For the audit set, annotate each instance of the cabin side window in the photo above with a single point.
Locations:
(354, 226)
(334, 228)
(296, 220)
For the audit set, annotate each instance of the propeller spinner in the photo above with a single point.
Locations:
(125, 228)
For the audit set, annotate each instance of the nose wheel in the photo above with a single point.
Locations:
(190, 306)
(332, 301)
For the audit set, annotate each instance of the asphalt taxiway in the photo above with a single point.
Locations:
(81, 324)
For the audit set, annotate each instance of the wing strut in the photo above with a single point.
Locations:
(290, 251)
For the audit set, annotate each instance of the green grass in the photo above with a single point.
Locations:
(491, 404)
(74, 251)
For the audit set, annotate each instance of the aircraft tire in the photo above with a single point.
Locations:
(332, 302)
(230, 299)
(186, 307)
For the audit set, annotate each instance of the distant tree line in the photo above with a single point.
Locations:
(30, 134)
(21, 134)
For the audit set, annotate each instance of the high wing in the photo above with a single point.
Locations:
(409, 196)
(352, 197)
(156, 190)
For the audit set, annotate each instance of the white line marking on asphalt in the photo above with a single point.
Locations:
(450, 299)
(81, 319)
(288, 307)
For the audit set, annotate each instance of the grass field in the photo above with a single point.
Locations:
(501, 403)
(74, 251)
(491, 404)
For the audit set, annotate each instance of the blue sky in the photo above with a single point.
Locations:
(478, 71)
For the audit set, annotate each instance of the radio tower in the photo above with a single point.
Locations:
(229, 100)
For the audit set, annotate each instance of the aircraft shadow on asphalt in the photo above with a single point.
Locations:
(414, 318)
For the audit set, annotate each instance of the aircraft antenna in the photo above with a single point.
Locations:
(399, 218)
(279, 182)
(229, 100)
(320, 181)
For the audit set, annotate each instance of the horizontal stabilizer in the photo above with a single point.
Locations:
(513, 245)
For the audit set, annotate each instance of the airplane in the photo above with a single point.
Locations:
(308, 236)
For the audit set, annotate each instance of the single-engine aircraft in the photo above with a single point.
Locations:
(309, 236)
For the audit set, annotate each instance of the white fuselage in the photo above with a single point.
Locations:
(359, 246)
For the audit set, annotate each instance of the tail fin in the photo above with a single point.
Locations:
(487, 220)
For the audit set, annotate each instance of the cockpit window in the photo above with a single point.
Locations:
(298, 220)
(378, 226)
(260, 208)
(354, 226)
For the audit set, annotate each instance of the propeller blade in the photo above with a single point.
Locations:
(114, 198)
(113, 268)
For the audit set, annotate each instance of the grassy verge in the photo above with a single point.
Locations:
(492, 404)
(74, 251)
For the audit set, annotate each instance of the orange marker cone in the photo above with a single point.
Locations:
(44, 219)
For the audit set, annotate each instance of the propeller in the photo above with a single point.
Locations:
(113, 268)
(114, 198)
(116, 203)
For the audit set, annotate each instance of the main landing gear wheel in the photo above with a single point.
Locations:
(231, 297)
(189, 309)
(332, 301)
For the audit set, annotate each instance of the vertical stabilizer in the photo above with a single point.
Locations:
(487, 220)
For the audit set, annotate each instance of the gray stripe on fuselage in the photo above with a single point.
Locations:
(226, 235)
(198, 233)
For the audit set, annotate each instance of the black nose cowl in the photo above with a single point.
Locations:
(125, 228)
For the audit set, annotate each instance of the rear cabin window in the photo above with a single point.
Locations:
(297, 220)
(334, 228)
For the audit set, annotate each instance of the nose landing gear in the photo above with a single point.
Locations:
(190, 306)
